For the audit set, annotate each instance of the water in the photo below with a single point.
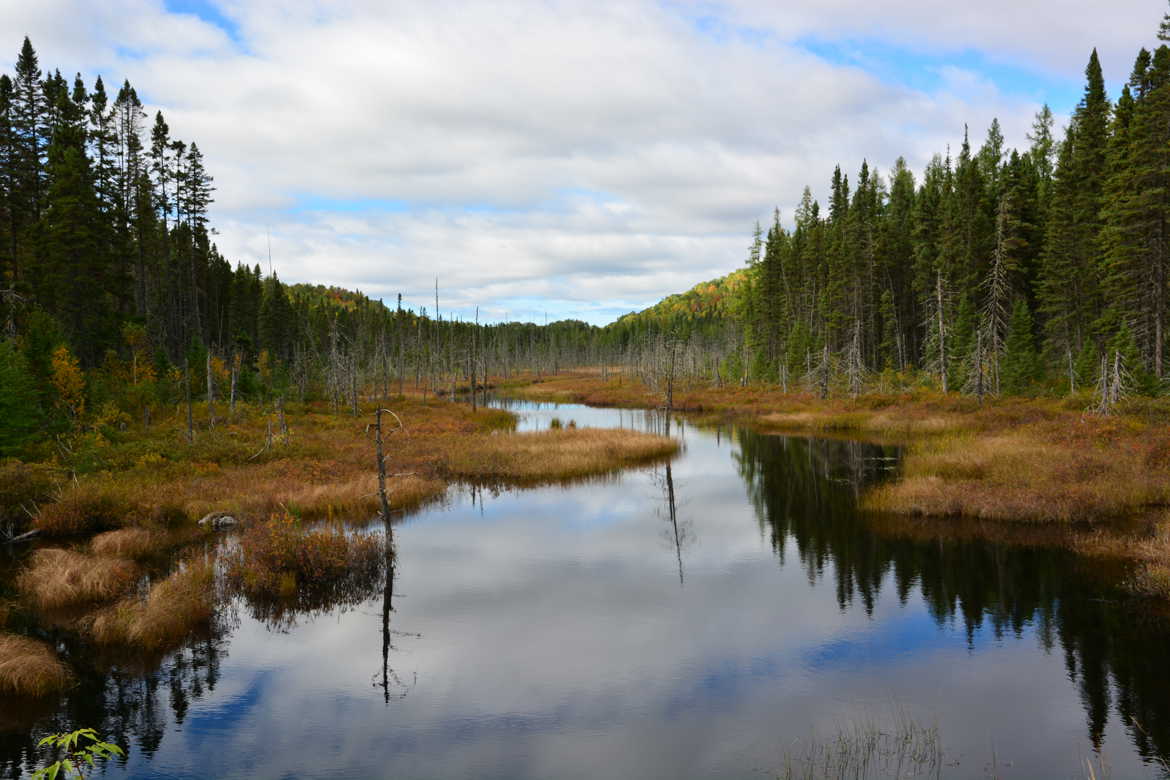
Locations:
(706, 620)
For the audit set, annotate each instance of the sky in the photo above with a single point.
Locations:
(561, 158)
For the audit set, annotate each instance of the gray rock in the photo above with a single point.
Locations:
(217, 520)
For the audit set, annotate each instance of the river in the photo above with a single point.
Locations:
(728, 616)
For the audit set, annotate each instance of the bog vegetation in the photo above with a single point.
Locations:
(134, 355)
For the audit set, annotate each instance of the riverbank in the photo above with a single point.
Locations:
(119, 558)
(1105, 481)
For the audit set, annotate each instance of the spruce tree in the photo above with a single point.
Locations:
(20, 411)
(1020, 368)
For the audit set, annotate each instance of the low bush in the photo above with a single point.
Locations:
(23, 488)
(88, 507)
(281, 558)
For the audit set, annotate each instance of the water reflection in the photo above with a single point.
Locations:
(1113, 650)
(689, 619)
(136, 701)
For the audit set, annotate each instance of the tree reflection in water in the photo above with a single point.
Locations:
(1114, 650)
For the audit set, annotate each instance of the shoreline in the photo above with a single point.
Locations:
(1037, 467)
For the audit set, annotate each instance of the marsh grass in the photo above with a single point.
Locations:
(555, 454)
(58, 578)
(867, 750)
(140, 543)
(325, 471)
(1038, 473)
(161, 619)
(30, 668)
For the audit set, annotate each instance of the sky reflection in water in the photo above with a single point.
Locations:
(577, 632)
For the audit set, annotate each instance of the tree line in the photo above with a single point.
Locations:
(1013, 271)
(114, 297)
(998, 271)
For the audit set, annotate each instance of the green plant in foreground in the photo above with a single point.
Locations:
(79, 757)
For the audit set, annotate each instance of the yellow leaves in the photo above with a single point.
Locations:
(219, 368)
(69, 382)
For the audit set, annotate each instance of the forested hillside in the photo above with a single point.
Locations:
(113, 295)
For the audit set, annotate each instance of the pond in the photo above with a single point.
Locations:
(726, 616)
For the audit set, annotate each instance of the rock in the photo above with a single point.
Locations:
(217, 520)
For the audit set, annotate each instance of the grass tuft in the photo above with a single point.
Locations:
(57, 578)
(170, 611)
(30, 668)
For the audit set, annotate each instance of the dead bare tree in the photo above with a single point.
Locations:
(187, 398)
(210, 393)
(379, 446)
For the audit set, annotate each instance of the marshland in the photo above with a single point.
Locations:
(888, 495)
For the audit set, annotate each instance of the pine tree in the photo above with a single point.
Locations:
(20, 411)
(1020, 368)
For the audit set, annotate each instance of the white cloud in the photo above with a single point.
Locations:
(594, 153)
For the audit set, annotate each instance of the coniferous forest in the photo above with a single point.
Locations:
(994, 271)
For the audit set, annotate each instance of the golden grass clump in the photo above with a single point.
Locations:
(57, 578)
(131, 543)
(30, 668)
(169, 612)
(556, 454)
(1022, 475)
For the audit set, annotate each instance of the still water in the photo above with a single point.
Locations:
(707, 620)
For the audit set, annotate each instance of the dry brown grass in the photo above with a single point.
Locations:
(142, 543)
(1038, 472)
(57, 578)
(326, 470)
(131, 543)
(30, 668)
(556, 454)
(169, 612)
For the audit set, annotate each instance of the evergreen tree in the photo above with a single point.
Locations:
(20, 411)
(1021, 367)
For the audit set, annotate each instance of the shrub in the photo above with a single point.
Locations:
(23, 486)
(280, 558)
(30, 668)
(88, 507)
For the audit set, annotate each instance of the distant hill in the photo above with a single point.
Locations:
(711, 300)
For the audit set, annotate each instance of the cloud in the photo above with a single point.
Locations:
(597, 154)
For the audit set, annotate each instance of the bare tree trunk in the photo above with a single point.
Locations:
(283, 422)
(235, 376)
(353, 383)
(187, 397)
(210, 394)
(942, 334)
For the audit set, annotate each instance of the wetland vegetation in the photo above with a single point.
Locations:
(926, 429)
